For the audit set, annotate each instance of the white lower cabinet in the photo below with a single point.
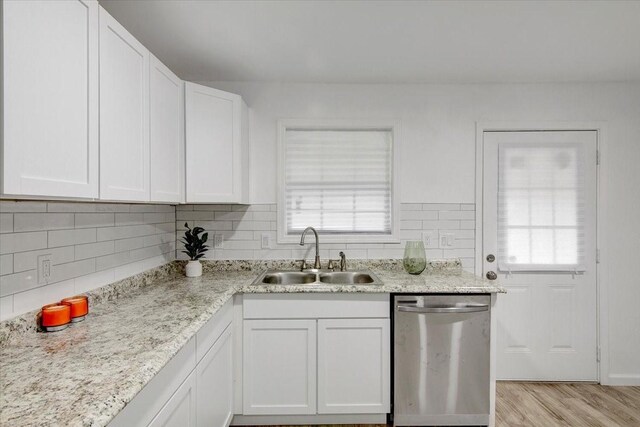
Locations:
(353, 366)
(330, 363)
(214, 382)
(195, 388)
(180, 410)
(279, 367)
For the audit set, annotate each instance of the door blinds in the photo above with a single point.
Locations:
(541, 207)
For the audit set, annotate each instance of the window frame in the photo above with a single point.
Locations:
(339, 124)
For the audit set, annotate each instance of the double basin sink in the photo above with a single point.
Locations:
(317, 277)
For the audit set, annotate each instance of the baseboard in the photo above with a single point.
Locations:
(622, 380)
(255, 420)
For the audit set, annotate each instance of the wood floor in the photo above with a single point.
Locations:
(521, 404)
(579, 405)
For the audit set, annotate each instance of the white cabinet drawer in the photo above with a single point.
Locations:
(315, 306)
(211, 331)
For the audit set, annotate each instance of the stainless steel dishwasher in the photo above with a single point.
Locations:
(441, 360)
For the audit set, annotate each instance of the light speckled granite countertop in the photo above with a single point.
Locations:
(86, 374)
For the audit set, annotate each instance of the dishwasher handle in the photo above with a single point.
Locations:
(444, 309)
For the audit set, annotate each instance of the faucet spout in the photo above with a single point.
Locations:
(316, 264)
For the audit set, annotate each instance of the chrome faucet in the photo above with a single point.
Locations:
(316, 264)
(343, 261)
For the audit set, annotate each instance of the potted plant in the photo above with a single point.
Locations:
(195, 247)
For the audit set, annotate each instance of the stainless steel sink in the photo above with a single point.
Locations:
(347, 277)
(289, 277)
(317, 277)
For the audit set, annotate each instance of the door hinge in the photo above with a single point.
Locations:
(597, 157)
(597, 354)
(597, 256)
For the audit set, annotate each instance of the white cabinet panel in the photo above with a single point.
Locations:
(279, 359)
(216, 146)
(50, 107)
(180, 410)
(353, 366)
(214, 376)
(124, 113)
(154, 396)
(166, 133)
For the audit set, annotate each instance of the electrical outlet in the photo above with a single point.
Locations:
(430, 239)
(446, 240)
(44, 268)
(218, 241)
(266, 241)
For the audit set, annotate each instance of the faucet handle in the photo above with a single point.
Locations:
(303, 264)
(330, 265)
(343, 261)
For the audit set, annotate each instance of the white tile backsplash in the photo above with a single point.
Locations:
(90, 244)
(242, 228)
(94, 244)
(42, 221)
(20, 242)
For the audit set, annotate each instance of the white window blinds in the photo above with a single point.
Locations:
(338, 181)
(541, 207)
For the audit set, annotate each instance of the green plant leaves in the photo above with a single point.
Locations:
(194, 245)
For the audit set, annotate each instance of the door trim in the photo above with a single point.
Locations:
(600, 127)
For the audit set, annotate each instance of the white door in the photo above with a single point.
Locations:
(50, 106)
(214, 377)
(166, 133)
(124, 113)
(279, 367)
(180, 410)
(539, 223)
(353, 366)
(213, 129)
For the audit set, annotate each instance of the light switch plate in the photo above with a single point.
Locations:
(266, 241)
(430, 239)
(447, 240)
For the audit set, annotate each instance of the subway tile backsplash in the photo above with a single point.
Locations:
(89, 244)
(242, 228)
(94, 244)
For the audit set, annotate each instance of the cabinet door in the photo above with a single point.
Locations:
(50, 107)
(279, 375)
(180, 410)
(166, 133)
(215, 148)
(353, 366)
(214, 376)
(124, 113)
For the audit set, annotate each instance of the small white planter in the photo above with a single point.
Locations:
(193, 269)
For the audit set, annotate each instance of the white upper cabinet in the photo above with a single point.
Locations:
(124, 113)
(166, 132)
(50, 105)
(217, 149)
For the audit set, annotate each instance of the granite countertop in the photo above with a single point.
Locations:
(86, 374)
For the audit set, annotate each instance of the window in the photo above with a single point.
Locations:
(541, 207)
(337, 179)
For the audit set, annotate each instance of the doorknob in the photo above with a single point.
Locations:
(491, 258)
(491, 275)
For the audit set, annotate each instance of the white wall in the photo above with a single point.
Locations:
(438, 158)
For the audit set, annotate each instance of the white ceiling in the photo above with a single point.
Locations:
(389, 41)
